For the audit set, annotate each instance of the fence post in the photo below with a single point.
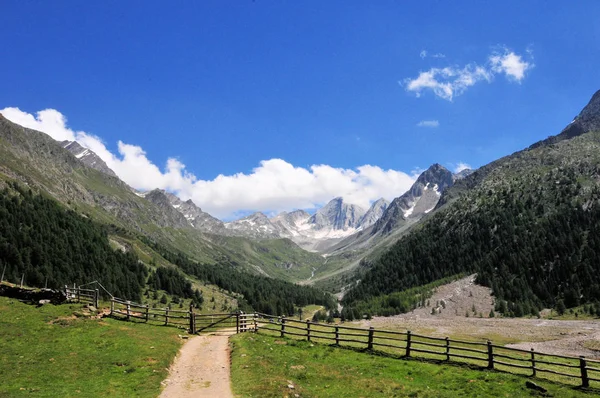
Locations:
(96, 298)
(112, 306)
(585, 382)
(147, 312)
(128, 309)
(447, 348)
(533, 362)
(192, 319)
(307, 330)
(408, 343)
(370, 343)
(166, 316)
(237, 322)
(283, 326)
(255, 322)
(490, 351)
(78, 292)
(337, 335)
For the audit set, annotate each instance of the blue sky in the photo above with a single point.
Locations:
(294, 103)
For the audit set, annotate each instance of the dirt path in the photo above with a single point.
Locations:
(201, 369)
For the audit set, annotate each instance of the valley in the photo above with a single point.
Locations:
(299, 199)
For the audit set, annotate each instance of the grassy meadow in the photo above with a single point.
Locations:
(60, 351)
(266, 366)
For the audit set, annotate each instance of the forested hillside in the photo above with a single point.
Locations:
(48, 245)
(530, 228)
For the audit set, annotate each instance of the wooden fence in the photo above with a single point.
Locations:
(190, 320)
(407, 344)
(79, 294)
(403, 344)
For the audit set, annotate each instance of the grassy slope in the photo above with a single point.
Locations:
(46, 352)
(264, 366)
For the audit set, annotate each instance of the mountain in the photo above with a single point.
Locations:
(330, 224)
(420, 199)
(369, 241)
(291, 224)
(337, 215)
(193, 215)
(528, 224)
(87, 157)
(374, 213)
(161, 199)
(256, 226)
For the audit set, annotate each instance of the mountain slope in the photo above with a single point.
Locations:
(375, 212)
(87, 157)
(528, 224)
(34, 158)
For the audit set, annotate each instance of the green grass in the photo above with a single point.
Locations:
(49, 352)
(309, 311)
(265, 366)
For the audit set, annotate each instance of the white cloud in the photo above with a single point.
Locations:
(460, 166)
(423, 54)
(275, 185)
(511, 64)
(448, 82)
(452, 81)
(428, 123)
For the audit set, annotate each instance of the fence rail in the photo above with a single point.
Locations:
(407, 344)
(75, 293)
(404, 344)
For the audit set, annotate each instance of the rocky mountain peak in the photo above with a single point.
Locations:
(419, 200)
(337, 215)
(87, 157)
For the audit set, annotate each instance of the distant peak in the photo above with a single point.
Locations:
(436, 166)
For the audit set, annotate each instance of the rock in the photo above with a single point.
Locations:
(291, 386)
(42, 302)
(533, 386)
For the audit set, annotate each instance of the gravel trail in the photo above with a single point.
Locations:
(201, 369)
